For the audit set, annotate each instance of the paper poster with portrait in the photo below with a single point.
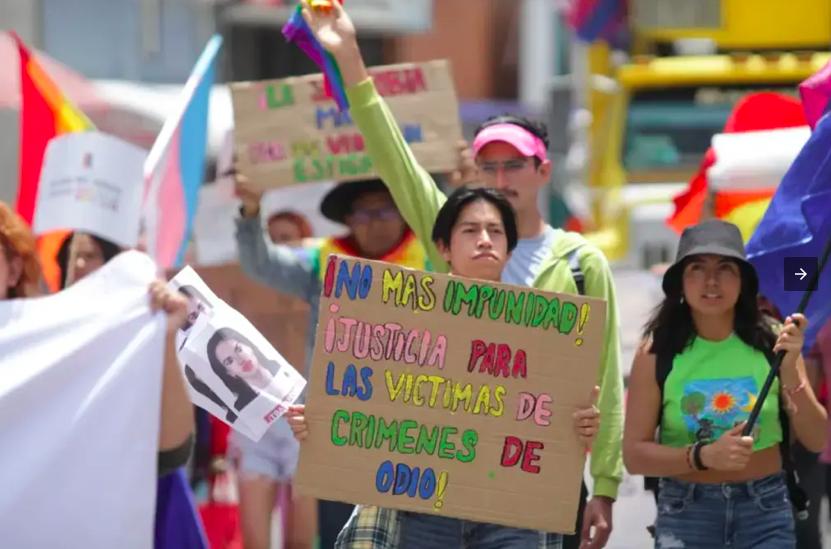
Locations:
(201, 302)
(242, 367)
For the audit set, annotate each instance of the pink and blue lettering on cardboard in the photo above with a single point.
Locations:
(449, 396)
(289, 132)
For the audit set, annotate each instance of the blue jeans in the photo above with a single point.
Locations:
(743, 515)
(424, 531)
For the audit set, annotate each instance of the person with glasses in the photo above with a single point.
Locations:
(376, 230)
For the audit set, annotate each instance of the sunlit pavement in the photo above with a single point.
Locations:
(638, 292)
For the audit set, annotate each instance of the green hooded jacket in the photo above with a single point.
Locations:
(419, 200)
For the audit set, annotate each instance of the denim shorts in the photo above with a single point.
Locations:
(425, 531)
(741, 515)
(273, 457)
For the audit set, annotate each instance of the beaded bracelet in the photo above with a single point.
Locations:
(690, 457)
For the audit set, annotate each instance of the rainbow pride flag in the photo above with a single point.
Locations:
(45, 113)
(297, 30)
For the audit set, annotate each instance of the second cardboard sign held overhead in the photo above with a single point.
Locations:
(288, 132)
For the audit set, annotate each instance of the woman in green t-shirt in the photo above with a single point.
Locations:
(705, 356)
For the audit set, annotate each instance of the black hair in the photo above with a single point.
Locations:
(108, 251)
(202, 388)
(244, 393)
(449, 214)
(538, 129)
(672, 329)
(191, 293)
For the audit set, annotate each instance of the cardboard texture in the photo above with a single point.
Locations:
(288, 132)
(454, 397)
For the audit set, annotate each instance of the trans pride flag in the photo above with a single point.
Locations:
(175, 166)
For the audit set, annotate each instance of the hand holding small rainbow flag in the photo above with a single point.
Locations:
(297, 30)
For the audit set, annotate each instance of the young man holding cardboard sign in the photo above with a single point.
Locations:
(475, 232)
(510, 154)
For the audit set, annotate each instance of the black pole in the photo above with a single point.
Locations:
(774, 368)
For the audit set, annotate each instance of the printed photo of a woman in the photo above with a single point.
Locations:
(199, 305)
(240, 365)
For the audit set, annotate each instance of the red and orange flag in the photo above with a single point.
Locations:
(45, 113)
(754, 112)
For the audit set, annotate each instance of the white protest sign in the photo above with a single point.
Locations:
(91, 182)
(239, 365)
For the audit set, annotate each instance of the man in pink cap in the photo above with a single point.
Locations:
(510, 154)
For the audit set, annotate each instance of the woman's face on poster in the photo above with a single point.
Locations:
(237, 358)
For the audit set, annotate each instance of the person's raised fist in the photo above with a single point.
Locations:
(330, 24)
(249, 194)
(466, 170)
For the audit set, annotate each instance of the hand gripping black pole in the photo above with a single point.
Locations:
(774, 367)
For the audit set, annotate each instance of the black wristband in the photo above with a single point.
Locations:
(699, 465)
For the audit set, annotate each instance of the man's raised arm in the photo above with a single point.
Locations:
(413, 189)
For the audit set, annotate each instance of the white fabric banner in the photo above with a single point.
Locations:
(80, 397)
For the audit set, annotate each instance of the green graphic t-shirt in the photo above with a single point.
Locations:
(713, 386)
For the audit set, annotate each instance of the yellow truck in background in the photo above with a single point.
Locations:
(652, 132)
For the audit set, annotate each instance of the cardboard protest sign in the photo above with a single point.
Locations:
(91, 182)
(288, 132)
(449, 396)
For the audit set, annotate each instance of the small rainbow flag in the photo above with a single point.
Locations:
(298, 31)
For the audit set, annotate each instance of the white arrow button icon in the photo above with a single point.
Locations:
(801, 274)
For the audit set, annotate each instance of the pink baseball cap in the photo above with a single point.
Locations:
(521, 139)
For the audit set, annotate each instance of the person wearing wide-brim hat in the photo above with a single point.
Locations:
(375, 230)
(705, 356)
